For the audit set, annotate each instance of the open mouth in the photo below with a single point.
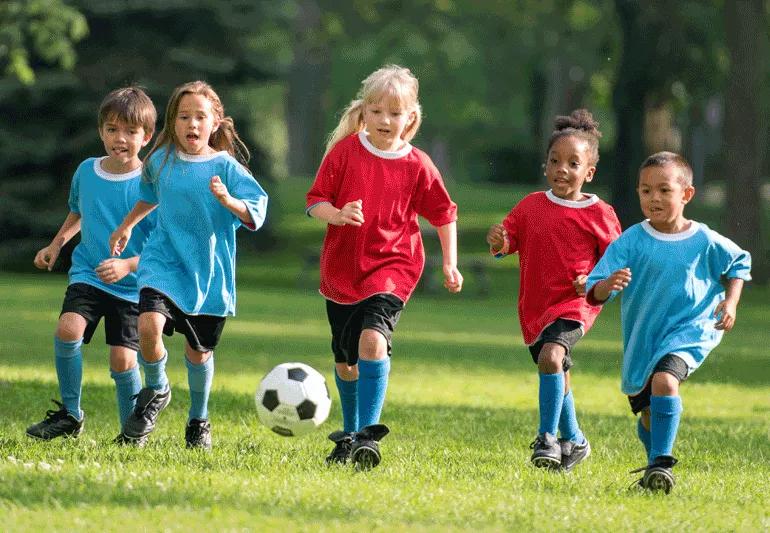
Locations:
(191, 137)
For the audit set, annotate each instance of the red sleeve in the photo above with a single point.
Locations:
(327, 180)
(511, 225)
(609, 228)
(433, 201)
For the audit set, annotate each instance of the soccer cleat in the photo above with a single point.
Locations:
(123, 440)
(365, 450)
(342, 444)
(56, 424)
(546, 452)
(149, 404)
(572, 453)
(658, 475)
(197, 434)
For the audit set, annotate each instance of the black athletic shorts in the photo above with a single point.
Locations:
(563, 332)
(120, 316)
(379, 312)
(201, 331)
(670, 364)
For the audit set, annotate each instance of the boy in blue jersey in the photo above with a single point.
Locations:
(103, 191)
(681, 283)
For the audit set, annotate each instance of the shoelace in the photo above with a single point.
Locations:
(60, 413)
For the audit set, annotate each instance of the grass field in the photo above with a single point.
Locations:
(462, 406)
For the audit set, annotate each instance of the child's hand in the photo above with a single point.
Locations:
(47, 256)
(350, 213)
(453, 280)
(617, 281)
(113, 270)
(725, 315)
(219, 190)
(580, 284)
(496, 237)
(119, 240)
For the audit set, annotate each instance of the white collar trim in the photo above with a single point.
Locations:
(682, 235)
(382, 153)
(198, 158)
(109, 176)
(575, 204)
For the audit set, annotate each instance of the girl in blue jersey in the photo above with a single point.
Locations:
(681, 283)
(196, 176)
(103, 191)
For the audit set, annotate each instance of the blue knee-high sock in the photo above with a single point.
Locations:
(155, 373)
(568, 424)
(551, 399)
(199, 378)
(665, 412)
(69, 369)
(127, 385)
(372, 385)
(644, 435)
(349, 400)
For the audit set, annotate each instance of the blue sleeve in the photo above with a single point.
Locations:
(74, 198)
(242, 185)
(615, 257)
(148, 184)
(731, 260)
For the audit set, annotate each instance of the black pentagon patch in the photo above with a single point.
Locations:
(297, 374)
(282, 431)
(270, 399)
(306, 410)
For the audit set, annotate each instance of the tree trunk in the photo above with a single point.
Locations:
(746, 127)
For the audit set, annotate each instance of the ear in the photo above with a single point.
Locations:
(146, 139)
(688, 192)
(217, 123)
(590, 174)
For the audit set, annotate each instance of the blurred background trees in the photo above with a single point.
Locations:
(682, 75)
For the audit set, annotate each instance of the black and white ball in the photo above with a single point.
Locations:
(293, 399)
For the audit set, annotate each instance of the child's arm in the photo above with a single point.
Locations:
(115, 269)
(46, 257)
(497, 239)
(447, 234)
(120, 237)
(234, 205)
(617, 281)
(726, 309)
(350, 214)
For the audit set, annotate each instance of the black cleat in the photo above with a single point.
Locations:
(572, 453)
(342, 444)
(149, 404)
(122, 440)
(365, 450)
(56, 424)
(197, 434)
(546, 452)
(658, 475)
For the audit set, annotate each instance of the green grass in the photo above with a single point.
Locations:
(462, 405)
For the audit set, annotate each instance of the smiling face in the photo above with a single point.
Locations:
(569, 166)
(194, 124)
(122, 142)
(663, 195)
(385, 123)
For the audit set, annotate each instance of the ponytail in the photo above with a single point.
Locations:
(352, 121)
(227, 139)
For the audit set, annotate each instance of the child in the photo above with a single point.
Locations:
(187, 270)
(103, 190)
(560, 234)
(370, 189)
(674, 309)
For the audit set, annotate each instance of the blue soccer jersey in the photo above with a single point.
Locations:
(102, 200)
(191, 255)
(668, 307)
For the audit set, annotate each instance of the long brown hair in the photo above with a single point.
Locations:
(225, 138)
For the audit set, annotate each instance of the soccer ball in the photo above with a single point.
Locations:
(292, 399)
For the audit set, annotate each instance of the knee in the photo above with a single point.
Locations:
(551, 359)
(150, 338)
(665, 384)
(122, 359)
(70, 328)
(372, 345)
(347, 373)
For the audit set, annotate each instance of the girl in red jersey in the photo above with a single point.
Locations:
(560, 235)
(370, 189)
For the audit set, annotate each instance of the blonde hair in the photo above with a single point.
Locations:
(390, 81)
(224, 139)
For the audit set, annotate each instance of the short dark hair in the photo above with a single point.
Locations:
(581, 124)
(661, 159)
(129, 104)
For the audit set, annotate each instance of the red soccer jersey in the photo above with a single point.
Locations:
(557, 241)
(385, 254)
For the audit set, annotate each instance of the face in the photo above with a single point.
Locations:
(385, 123)
(122, 142)
(663, 196)
(569, 166)
(194, 124)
